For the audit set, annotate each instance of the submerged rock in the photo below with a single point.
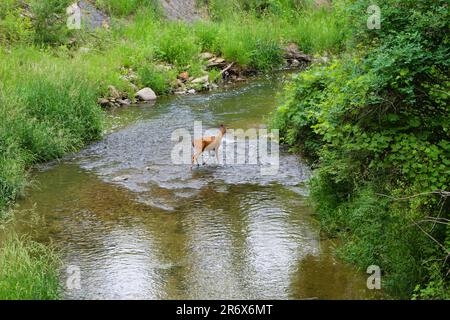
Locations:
(124, 102)
(120, 178)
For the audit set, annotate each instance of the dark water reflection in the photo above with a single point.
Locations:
(165, 232)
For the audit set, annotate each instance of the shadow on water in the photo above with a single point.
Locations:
(139, 227)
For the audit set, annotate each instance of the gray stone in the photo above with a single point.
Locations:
(146, 94)
(203, 79)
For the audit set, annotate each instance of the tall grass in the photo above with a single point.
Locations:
(123, 8)
(28, 270)
(320, 30)
(47, 110)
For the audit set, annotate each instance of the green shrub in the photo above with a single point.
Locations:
(207, 34)
(49, 21)
(14, 28)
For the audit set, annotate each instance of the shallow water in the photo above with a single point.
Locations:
(138, 226)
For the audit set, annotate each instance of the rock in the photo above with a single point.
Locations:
(216, 62)
(184, 76)
(191, 91)
(203, 79)
(114, 93)
(295, 63)
(120, 178)
(219, 60)
(322, 3)
(164, 67)
(292, 52)
(323, 59)
(146, 94)
(124, 102)
(103, 102)
(206, 55)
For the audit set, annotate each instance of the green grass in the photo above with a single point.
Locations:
(123, 8)
(48, 109)
(28, 270)
(320, 30)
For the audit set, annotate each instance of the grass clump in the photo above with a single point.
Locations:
(156, 78)
(28, 270)
(124, 8)
(45, 113)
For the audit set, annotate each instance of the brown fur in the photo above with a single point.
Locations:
(208, 143)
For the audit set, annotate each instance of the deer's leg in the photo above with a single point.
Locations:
(209, 157)
(216, 150)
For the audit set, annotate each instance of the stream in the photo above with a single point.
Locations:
(136, 226)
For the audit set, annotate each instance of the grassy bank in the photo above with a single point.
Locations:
(374, 123)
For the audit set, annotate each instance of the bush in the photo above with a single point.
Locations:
(375, 121)
(49, 21)
(13, 27)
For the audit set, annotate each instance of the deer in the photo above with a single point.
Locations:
(208, 143)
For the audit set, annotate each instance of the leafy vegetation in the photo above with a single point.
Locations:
(375, 123)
